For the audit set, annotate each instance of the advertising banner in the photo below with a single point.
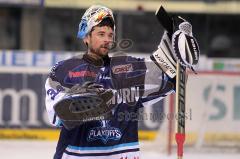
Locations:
(214, 101)
(23, 2)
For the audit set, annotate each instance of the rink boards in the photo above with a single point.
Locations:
(212, 113)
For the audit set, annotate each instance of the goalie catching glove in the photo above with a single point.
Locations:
(84, 103)
(180, 46)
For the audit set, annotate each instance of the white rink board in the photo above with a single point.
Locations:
(213, 98)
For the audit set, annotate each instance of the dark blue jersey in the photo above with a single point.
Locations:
(134, 82)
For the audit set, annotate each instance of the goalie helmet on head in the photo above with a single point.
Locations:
(92, 17)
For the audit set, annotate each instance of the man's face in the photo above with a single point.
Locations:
(99, 40)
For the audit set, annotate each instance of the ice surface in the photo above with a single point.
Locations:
(27, 149)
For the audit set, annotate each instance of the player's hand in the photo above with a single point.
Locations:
(180, 46)
(184, 44)
(84, 103)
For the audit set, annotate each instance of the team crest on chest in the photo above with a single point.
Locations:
(104, 133)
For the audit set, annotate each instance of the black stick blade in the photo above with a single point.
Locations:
(165, 20)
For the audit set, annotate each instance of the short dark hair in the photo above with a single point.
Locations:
(105, 22)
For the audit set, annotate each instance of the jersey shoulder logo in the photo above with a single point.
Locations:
(53, 93)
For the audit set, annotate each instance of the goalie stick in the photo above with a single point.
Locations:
(168, 23)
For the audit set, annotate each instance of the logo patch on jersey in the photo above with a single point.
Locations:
(53, 93)
(122, 68)
(75, 74)
(104, 133)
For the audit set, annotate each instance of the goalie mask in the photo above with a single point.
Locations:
(92, 17)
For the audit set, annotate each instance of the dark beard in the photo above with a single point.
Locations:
(97, 51)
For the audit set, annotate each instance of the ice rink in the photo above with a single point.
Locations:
(22, 149)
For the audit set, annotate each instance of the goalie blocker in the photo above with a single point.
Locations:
(181, 45)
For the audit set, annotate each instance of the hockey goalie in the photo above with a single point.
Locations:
(86, 94)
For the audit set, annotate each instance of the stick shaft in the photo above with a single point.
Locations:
(167, 22)
(180, 107)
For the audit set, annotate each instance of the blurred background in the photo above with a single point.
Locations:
(35, 34)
